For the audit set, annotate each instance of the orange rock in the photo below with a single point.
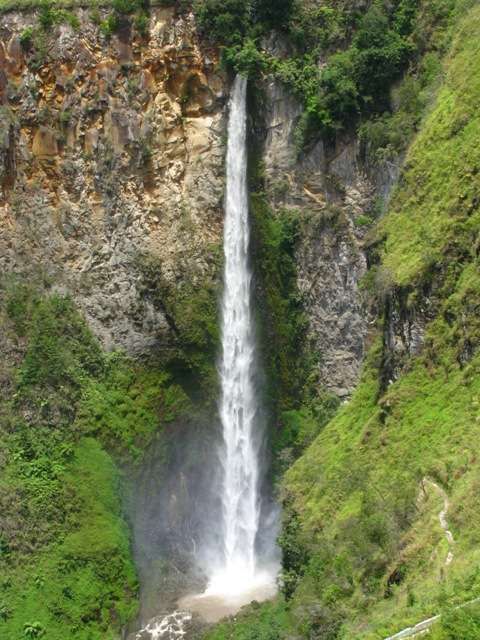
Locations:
(45, 144)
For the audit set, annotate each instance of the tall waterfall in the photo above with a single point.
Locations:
(235, 576)
(238, 404)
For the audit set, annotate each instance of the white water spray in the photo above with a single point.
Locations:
(236, 577)
(244, 565)
(239, 404)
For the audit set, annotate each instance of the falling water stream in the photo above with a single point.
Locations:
(242, 566)
(237, 575)
(238, 404)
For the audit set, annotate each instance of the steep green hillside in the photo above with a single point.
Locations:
(369, 501)
(69, 414)
(365, 554)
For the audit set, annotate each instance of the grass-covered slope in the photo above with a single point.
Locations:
(365, 553)
(435, 214)
(367, 521)
(68, 414)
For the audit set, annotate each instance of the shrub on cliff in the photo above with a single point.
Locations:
(273, 13)
(357, 80)
(224, 21)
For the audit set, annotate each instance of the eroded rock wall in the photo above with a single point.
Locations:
(332, 192)
(110, 150)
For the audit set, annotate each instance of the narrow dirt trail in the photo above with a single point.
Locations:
(442, 517)
(423, 627)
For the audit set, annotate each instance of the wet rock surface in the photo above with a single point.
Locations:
(173, 626)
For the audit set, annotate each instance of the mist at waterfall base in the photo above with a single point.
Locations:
(241, 564)
(203, 517)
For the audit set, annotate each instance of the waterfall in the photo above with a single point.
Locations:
(238, 403)
(236, 576)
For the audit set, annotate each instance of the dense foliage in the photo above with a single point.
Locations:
(364, 552)
(342, 62)
(191, 310)
(363, 556)
(223, 20)
(228, 22)
(345, 87)
(68, 414)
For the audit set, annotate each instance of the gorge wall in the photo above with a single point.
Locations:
(112, 145)
(364, 550)
(112, 179)
(112, 156)
(331, 190)
(112, 183)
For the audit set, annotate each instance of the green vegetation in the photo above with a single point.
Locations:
(297, 413)
(390, 133)
(354, 491)
(50, 15)
(122, 10)
(28, 5)
(124, 407)
(275, 236)
(35, 39)
(345, 88)
(256, 622)
(192, 313)
(225, 21)
(364, 555)
(390, 37)
(70, 413)
(228, 22)
(141, 22)
(26, 37)
(437, 221)
(110, 25)
(458, 623)
(74, 582)
(299, 425)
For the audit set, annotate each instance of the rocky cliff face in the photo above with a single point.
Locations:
(111, 151)
(332, 191)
